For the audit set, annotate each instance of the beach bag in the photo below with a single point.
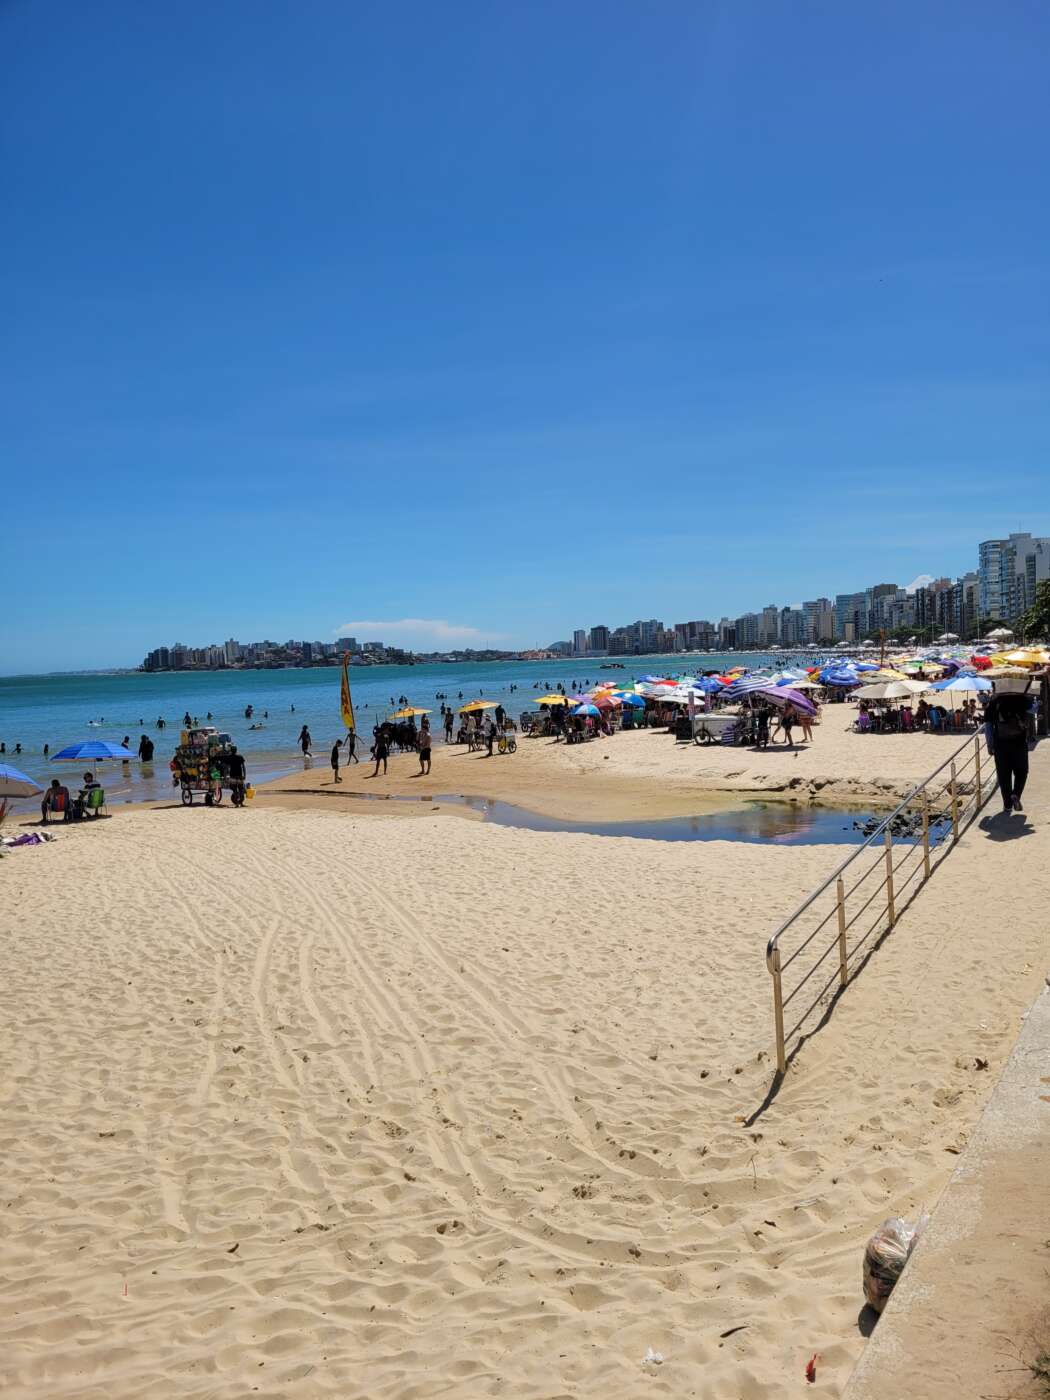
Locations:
(885, 1256)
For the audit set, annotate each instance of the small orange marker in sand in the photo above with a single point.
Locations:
(811, 1369)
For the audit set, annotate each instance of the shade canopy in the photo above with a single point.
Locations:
(552, 700)
(408, 712)
(477, 705)
(587, 709)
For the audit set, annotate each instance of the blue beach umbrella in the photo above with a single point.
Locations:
(962, 683)
(842, 676)
(587, 709)
(708, 684)
(744, 685)
(93, 750)
(15, 783)
(632, 698)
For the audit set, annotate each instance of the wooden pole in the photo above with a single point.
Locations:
(778, 1013)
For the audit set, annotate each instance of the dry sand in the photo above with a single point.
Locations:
(308, 1104)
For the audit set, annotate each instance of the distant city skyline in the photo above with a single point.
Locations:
(1001, 587)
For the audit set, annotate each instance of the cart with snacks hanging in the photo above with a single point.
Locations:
(201, 765)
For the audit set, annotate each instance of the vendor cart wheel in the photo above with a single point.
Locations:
(217, 799)
(187, 797)
(512, 745)
(502, 745)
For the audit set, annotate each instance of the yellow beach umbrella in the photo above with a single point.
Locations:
(408, 712)
(552, 700)
(1025, 657)
(477, 705)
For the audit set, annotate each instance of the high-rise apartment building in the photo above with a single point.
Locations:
(599, 638)
(579, 641)
(1008, 571)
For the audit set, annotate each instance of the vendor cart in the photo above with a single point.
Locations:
(199, 766)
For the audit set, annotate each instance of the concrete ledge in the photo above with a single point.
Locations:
(960, 1322)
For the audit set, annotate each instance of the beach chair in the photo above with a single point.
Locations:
(58, 806)
(94, 801)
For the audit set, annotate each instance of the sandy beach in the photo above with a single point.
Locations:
(309, 1103)
(645, 774)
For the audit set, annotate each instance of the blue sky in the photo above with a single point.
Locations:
(509, 318)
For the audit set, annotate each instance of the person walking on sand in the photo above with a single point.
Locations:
(806, 724)
(351, 746)
(1006, 730)
(448, 725)
(380, 751)
(424, 746)
(335, 761)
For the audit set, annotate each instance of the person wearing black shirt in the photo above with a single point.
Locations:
(1007, 719)
(335, 761)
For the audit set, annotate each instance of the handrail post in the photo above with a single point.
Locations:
(889, 878)
(977, 768)
(926, 834)
(778, 1012)
(840, 894)
(955, 805)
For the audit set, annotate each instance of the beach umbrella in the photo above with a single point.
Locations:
(477, 705)
(840, 676)
(962, 683)
(93, 751)
(552, 700)
(408, 712)
(1026, 657)
(783, 696)
(744, 685)
(804, 684)
(605, 702)
(635, 700)
(889, 690)
(657, 680)
(587, 709)
(864, 666)
(709, 685)
(15, 783)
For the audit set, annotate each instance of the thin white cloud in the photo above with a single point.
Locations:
(415, 631)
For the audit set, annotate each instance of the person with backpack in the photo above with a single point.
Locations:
(1006, 729)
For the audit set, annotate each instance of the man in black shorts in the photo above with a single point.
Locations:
(335, 761)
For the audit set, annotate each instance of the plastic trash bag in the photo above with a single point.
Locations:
(886, 1254)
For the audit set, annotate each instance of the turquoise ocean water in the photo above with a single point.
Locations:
(56, 709)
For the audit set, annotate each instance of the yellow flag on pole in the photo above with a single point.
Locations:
(346, 705)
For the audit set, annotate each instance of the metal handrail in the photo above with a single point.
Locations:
(958, 792)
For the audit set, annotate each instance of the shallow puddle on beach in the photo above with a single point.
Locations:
(757, 823)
